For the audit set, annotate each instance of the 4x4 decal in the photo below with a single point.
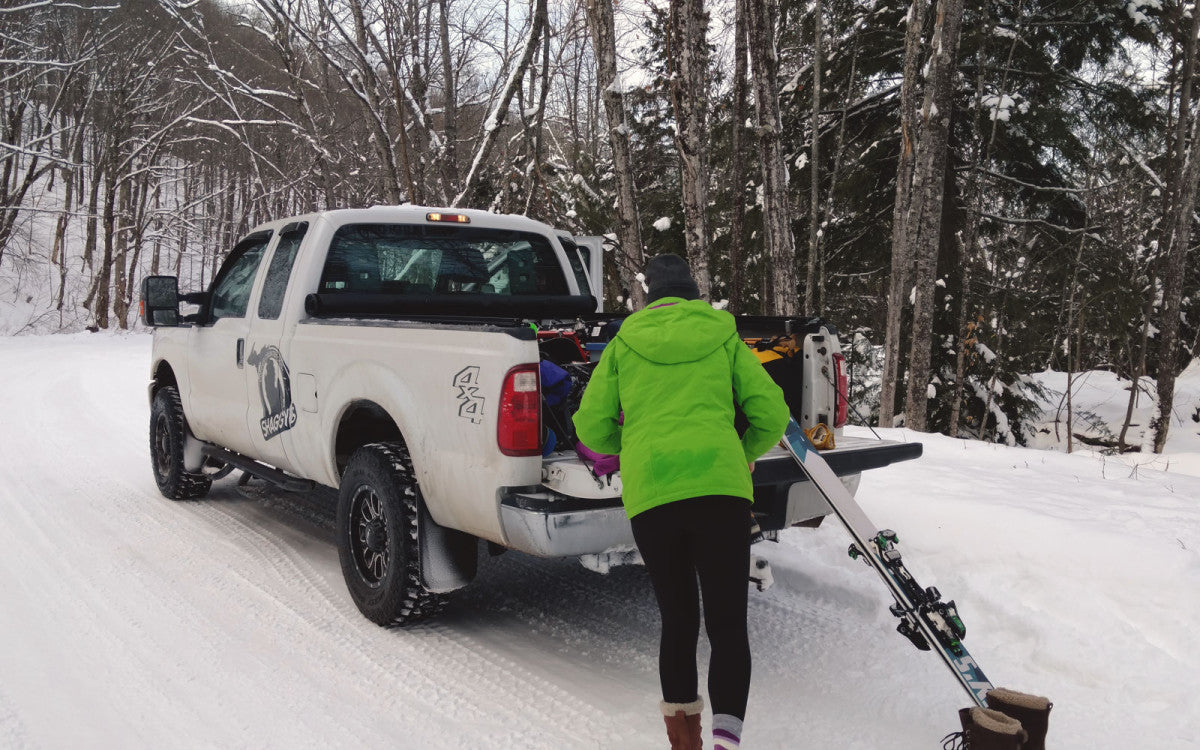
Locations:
(471, 403)
(275, 390)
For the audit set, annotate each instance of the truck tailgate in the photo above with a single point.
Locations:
(851, 456)
(783, 495)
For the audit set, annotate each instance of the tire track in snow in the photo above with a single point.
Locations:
(288, 568)
(146, 519)
(478, 665)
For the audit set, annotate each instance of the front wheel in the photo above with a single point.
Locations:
(168, 429)
(378, 541)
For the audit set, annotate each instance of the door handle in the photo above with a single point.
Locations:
(241, 352)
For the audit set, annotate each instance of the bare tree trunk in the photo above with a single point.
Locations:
(450, 127)
(687, 58)
(779, 243)
(93, 205)
(811, 304)
(156, 257)
(931, 180)
(120, 257)
(737, 172)
(1001, 337)
(1184, 204)
(537, 201)
(901, 216)
(600, 19)
(59, 252)
(102, 283)
(1073, 322)
(137, 236)
(185, 224)
(1139, 368)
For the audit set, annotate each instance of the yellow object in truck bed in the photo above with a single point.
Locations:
(769, 350)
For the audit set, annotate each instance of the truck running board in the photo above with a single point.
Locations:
(262, 471)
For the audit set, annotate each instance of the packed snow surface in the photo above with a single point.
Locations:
(129, 620)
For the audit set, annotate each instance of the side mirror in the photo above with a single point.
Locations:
(160, 301)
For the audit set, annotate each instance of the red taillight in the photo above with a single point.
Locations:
(843, 390)
(519, 430)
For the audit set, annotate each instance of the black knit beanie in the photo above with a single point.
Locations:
(668, 275)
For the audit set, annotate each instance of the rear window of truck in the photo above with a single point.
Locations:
(418, 259)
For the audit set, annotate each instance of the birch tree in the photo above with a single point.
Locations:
(604, 41)
(687, 59)
(779, 243)
(1183, 206)
(902, 215)
(737, 169)
(811, 302)
(930, 181)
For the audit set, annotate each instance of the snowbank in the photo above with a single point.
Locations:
(1100, 400)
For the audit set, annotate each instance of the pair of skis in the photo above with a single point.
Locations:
(928, 622)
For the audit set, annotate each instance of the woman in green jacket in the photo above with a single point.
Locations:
(663, 396)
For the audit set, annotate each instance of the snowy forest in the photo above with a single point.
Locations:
(971, 190)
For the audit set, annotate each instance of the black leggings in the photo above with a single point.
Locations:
(709, 537)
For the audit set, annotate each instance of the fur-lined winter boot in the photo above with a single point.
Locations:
(985, 729)
(1033, 711)
(683, 724)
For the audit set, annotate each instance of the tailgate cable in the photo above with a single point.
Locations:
(865, 423)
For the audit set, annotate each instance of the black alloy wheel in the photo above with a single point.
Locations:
(369, 536)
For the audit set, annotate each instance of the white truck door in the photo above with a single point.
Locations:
(272, 409)
(217, 351)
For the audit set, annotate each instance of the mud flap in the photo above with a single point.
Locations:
(449, 558)
(193, 452)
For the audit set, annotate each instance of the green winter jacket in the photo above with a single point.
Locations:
(675, 369)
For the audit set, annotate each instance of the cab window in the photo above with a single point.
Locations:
(270, 304)
(417, 259)
(231, 291)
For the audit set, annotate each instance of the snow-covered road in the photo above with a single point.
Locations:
(128, 620)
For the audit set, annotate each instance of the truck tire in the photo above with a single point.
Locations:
(378, 540)
(167, 431)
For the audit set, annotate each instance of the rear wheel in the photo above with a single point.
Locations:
(168, 429)
(378, 540)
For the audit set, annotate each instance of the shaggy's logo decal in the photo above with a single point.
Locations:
(275, 389)
(467, 383)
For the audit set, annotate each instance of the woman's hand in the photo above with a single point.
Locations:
(751, 465)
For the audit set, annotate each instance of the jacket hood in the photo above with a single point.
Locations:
(674, 330)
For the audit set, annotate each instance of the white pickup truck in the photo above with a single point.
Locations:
(394, 354)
